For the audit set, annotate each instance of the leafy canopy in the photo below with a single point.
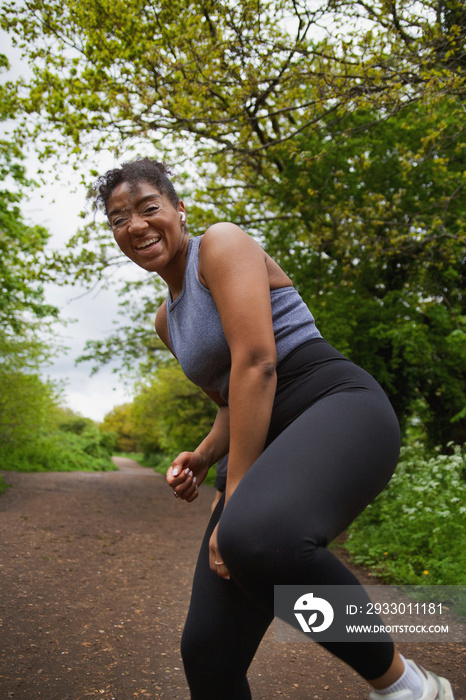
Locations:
(334, 132)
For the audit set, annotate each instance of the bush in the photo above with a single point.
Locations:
(61, 450)
(55, 452)
(37, 435)
(414, 532)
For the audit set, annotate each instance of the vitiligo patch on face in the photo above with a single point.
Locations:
(127, 200)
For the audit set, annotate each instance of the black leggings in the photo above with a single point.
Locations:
(333, 445)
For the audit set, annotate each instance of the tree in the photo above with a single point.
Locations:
(333, 133)
(24, 313)
(374, 238)
(241, 78)
(26, 403)
(29, 433)
(120, 422)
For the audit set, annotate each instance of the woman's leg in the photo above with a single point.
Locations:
(223, 630)
(307, 487)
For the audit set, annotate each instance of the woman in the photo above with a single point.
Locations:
(311, 438)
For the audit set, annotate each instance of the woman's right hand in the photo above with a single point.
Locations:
(186, 474)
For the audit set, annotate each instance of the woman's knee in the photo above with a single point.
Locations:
(264, 545)
(240, 540)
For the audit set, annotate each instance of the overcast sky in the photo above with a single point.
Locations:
(94, 311)
(57, 205)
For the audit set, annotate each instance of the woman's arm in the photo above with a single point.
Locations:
(233, 267)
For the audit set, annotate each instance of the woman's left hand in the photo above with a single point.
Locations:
(215, 558)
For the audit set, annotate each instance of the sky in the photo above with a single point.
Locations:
(56, 206)
(94, 313)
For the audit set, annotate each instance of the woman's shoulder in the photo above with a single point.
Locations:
(225, 241)
(225, 231)
(224, 237)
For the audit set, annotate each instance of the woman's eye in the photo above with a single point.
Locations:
(151, 209)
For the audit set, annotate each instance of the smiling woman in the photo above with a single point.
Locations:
(147, 217)
(148, 229)
(311, 438)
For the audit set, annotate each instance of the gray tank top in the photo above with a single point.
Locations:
(196, 333)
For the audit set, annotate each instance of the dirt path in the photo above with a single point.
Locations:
(95, 572)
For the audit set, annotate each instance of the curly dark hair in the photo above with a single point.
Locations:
(134, 172)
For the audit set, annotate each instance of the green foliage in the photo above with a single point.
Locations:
(26, 262)
(31, 435)
(240, 78)
(119, 423)
(334, 132)
(35, 435)
(107, 442)
(373, 236)
(414, 532)
(58, 451)
(58, 441)
(170, 414)
(24, 314)
(26, 404)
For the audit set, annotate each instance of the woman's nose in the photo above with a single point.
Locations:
(137, 223)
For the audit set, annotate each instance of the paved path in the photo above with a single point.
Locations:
(95, 572)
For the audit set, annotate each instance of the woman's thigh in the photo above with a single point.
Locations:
(310, 483)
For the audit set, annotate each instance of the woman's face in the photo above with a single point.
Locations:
(146, 226)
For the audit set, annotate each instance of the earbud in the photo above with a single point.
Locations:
(182, 217)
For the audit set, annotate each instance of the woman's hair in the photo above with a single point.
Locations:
(134, 172)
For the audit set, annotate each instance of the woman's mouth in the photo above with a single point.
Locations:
(146, 245)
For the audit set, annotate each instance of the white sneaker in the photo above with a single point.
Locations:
(434, 688)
